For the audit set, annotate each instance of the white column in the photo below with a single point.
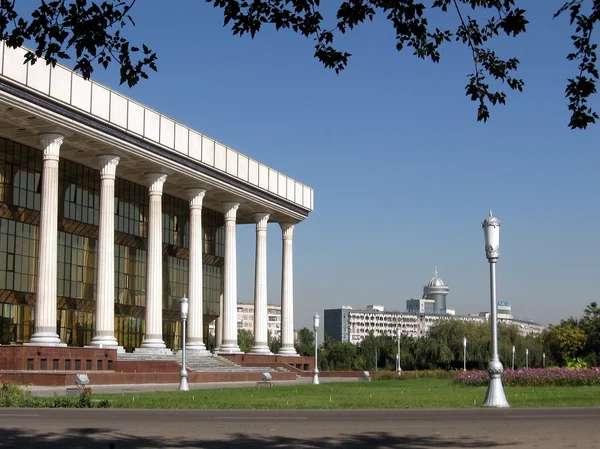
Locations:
(195, 341)
(230, 344)
(153, 341)
(219, 323)
(46, 283)
(287, 292)
(261, 345)
(105, 283)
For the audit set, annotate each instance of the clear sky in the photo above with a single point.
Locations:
(402, 171)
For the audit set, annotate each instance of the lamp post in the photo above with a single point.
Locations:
(513, 358)
(526, 358)
(316, 370)
(464, 353)
(398, 359)
(544, 359)
(183, 384)
(495, 396)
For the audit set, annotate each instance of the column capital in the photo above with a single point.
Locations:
(196, 196)
(287, 230)
(156, 182)
(230, 208)
(261, 219)
(108, 165)
(51, 143)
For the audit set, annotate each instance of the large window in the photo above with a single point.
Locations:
(79, 192)
(78, 208)
(131, 208)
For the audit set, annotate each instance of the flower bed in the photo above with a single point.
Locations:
(534, 377)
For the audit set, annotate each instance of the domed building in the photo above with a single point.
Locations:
(437, 291)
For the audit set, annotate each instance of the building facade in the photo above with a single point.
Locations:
(246, 318)
(111, 212)
(348, 324)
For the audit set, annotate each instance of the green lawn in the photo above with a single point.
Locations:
(382, 394)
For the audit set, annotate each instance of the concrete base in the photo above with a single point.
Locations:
(288, 352)
(153, 351)
(229, 349)
(197, 352)
(262, 349)
(105, 342)
(119, 349)
(45, 339)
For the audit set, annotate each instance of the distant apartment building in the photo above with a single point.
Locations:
(245, 318)
(353, 325)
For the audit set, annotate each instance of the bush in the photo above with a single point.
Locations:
(426, 374)
(13, 395)
(534, 377)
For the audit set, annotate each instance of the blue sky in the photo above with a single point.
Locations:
(402, 171)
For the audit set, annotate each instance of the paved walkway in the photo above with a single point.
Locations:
(43, 391)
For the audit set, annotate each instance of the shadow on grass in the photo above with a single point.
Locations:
(92, 438)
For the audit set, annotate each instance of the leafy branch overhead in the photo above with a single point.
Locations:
(90, 31)
(93, 33)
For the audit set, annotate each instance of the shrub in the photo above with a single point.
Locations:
(534, 377)
(426, 374)
(13, 395)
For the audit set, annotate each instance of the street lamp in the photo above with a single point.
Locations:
(316, 371)
(464, 353)
(495, 396)
(544, 359)
(513, 358)
(398, 368)
(183, 384)
(526, 358)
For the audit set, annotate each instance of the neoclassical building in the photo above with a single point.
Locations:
(110, 212)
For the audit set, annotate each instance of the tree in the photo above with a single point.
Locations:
(590, 323)
(92, 32)
(565, 341)
(273, 343)
(245, 340)
(306, 342)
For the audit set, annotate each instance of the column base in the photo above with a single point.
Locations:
(196, 350)
(261, 348)
(153, 343)
(45, 339)
(153, 351)
(105, 342)
(231, 348)
(120, 349)
(288, 352)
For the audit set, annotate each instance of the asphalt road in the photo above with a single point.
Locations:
(364, 429)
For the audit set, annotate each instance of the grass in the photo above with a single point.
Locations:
(381, 394)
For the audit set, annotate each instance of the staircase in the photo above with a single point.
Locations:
(209, 364)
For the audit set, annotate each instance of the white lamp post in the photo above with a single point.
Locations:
(544, 359)
(464, 353)
(316, 371)
(398, 359)
(513, 358)
(495, 396)
(183, 384)
(526, 358)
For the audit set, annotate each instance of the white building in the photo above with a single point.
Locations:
(353, 325)
(111, 212)
(245, 318)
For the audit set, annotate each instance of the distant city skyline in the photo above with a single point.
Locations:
(403, 174)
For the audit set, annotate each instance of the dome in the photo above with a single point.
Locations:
(436, 281)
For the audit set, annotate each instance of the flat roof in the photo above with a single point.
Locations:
(68, 88)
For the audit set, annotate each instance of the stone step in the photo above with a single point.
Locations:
(208, 363)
